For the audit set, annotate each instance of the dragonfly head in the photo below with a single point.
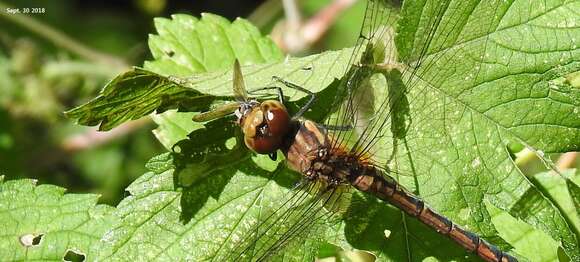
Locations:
(264, 125)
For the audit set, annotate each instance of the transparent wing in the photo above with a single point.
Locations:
(216, 113)
(311, 206)
(306, 209)
(240, 93)
(380, 16)
(239, 85)
(395, 69)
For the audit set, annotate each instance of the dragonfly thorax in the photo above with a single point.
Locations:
(264, 125)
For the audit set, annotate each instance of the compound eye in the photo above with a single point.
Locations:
(263, 144)
(277, 118)
(265, 128)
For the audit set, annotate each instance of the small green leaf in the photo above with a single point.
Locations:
(528, 240)
(185, 45)
(135, 94)
(537, 245)
(173, 126)
(44, 223)
(558, 188)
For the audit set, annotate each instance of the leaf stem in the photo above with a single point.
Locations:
(60, 39)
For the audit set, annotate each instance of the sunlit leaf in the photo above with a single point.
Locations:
(42, 223)
(526, 239)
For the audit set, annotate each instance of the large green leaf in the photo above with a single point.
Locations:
(154, 227)
(454, 154)
(485, 81)
(43, 223)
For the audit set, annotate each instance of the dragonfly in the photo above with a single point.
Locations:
(344, 152)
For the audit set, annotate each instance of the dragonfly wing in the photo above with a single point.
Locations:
(216, 113)
(380, 95)
(427, 52)
(379, 19)
(305, 209)
(238, 83)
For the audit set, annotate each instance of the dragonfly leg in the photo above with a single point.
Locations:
(278, 90)
(301, 89)
(338, 128)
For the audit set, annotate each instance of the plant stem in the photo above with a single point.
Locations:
(55, 69)
(60, 39)
(295, 35)
(93, 138)
(567, 160)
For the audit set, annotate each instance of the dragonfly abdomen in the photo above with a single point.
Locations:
(386, 188)
(309, 151)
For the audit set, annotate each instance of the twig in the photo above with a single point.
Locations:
(293, 17)
(94, 138)
(295, 36)
(56, 69)
(567, 160)
(60, 39)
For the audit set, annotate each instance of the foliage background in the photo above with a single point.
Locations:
(39, 80)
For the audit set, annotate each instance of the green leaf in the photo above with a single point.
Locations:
(483, 83)
(560, 188)
(185, 45)
(44, 223)
(574, 190)
(135, 94)
(525, 238)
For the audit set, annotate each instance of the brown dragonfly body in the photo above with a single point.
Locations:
(308, 150)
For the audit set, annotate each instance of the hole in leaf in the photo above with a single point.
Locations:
(30, 240)
(74, 256)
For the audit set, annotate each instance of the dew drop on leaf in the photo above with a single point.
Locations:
(387, 233)
(464, 213)
(476, 162)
